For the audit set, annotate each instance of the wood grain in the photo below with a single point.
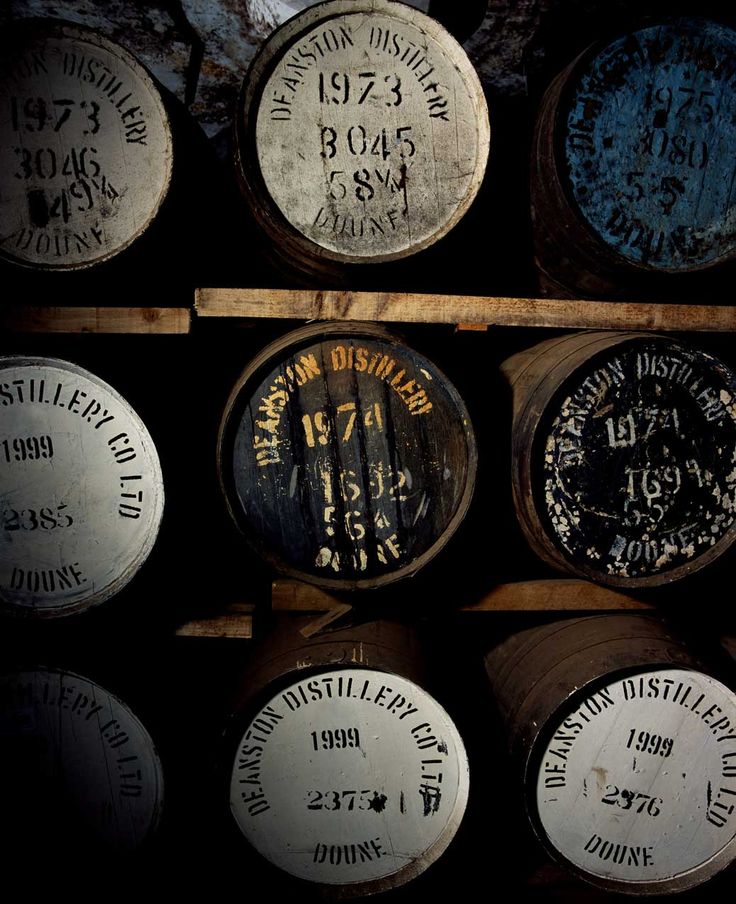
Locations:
(307, 304)
(362, 133)
(523, 596)
(235, 622)
(141, 321)
(631, 184)
(94, 162)
(81, 486)
(347, 459)
(556, 595)
(633, 436)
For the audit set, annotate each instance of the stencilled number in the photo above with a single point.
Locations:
(317, 426)
(648, 742)
(698, 103)
(359, 142)
(45, 163)
(346, 800)
(645, 485)
(36, 519)
(635, 801)
(338, 88)
(621, 432)
(628, 429)
(30, 448)
(383, 484)
(394, 86)
(336, 739)
(34, 114)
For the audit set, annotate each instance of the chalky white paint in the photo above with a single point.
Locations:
(76, 525)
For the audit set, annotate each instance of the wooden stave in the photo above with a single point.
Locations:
(269, 357)
(59, 28)
(558, 666)
(539, 675)
(530, 401)
(107, 593)
(286, 248)
(111, 852)
(288, 653)
(571, 258)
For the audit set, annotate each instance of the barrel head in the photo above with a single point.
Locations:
(80, 772)
(634, 788)
(377, 780)
(346, 458)
(645, 130)
(80, 486)
(363, 132)
(85, 146)
(633, 463)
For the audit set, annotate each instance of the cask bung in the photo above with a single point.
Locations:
(627, 751)
(347, 774)
(623, 448)
(361, 136)
(632, 167)
(85, 146)
(80, 772)
(81, 489)
(346, 458)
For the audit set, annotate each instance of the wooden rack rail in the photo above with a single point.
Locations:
(552, 595)
(138, 321)
(306, 304)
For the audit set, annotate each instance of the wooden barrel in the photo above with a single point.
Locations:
(632, 186)
(81, 489)
(80, 772)
(346, 458)
(361, 136)
(344, 772)
(623, 448)
(626, 748)
(85, 146)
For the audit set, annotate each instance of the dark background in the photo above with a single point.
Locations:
(184, 688)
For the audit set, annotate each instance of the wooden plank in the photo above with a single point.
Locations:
(556, 595)
(295, 596)
(141, 321)
(332, 615)
(236, 622)
(308, 304)
(471, 327)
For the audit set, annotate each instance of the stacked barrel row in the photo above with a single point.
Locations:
(348, 459)
(345, 169)
(343, 773)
